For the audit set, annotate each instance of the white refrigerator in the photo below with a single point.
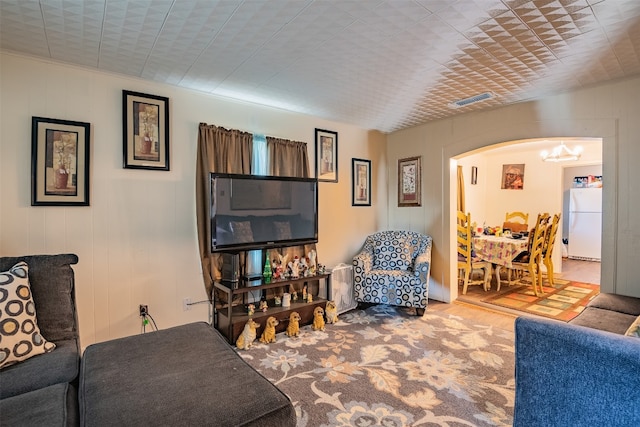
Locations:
(585, 223)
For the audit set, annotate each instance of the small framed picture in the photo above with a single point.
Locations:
(513, 177)
(145, 131)
(360, 182)
(326, 155)
(59, 162)
(409, 179)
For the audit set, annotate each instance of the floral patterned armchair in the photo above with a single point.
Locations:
(393, 268)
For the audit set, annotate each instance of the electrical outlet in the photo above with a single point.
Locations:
(144, 310)
(186, 304)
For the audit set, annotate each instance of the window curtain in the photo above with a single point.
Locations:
(219, 150)
(289, 158)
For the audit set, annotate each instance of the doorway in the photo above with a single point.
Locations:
(543, 191)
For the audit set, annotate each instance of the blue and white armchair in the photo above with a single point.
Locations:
(393, 268)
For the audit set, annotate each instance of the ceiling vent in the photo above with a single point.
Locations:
(472, 100)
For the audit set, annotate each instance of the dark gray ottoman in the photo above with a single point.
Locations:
(187, 375)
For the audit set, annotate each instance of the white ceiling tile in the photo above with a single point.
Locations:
(379, 64)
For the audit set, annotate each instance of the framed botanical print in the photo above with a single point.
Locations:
(145, 131)
(360, 182)
(409, 179)
(59, 162)
(326, 155)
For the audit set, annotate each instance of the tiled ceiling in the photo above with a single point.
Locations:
(377, 64)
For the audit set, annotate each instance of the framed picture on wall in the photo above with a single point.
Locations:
(360, 182)
(145, 131)
(513, 177)
(59, 162)
(409, 179)
(326, 155)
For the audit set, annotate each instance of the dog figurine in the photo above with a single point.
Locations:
(248, 335)
(318, 319)
(269, 333)
(331, 312)
(293, 329)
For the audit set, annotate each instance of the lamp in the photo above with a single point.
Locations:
(561, 153)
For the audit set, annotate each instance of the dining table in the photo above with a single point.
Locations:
(500, 251)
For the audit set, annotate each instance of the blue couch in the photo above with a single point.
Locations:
(581, 373)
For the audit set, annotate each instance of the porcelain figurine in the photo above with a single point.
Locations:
(294, 268)
(313, 266)
(302, 267)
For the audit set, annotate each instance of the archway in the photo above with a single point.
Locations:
(533, 146)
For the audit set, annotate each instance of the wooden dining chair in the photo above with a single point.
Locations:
(549, 243)
(516, 222)
(524, 217)
(467, 262)
(529, 263)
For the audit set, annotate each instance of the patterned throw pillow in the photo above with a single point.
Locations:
(20, 336)
(634, 329)
(241, 231)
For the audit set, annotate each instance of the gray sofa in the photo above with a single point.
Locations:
(581, 373)
(42, 390)
(186, 375)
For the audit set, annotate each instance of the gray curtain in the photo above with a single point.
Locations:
(219, 150)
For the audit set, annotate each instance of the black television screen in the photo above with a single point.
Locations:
(257, 212)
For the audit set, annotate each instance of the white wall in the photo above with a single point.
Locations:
(137, 241)
(476, 201)
(608, 111)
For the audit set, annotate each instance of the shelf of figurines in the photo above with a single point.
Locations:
(299, 295)
(245, 286)
(243, 312)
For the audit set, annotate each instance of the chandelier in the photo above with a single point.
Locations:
(561, 153)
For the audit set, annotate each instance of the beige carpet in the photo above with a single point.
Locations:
(386, 367)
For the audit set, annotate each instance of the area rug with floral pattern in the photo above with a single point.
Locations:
(385, 366)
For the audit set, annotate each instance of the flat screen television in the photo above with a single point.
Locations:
(260, 212)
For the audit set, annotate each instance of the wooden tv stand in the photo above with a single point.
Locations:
(230, 319)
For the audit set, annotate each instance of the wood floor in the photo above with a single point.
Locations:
(498, 318)
(471, 305)
(581, 271)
